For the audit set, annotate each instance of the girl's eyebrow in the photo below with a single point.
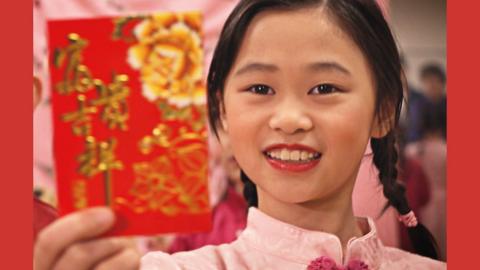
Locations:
(256, 66)
(328, 66)
(315, 67)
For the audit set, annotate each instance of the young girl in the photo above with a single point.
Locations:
(299, 87)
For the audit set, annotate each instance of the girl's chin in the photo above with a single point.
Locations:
(287, 196)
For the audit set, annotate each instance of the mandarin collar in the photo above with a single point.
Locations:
(292, 243)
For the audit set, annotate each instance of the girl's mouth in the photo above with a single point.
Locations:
(295, 158)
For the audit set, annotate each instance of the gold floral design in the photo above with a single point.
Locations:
(174, 183)
(170, 58)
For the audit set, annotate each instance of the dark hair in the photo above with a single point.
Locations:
(433, 70)
(364, 22)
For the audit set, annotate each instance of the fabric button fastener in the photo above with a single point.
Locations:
(326, 263)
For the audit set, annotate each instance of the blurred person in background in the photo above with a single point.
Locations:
(431, 150)
(431, 153)
(434, 80)
(412, 111)
(433, 157)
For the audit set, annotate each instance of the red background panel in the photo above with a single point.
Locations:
(463, 176)
(16, 231)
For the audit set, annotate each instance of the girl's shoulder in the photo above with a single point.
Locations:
(395, 258)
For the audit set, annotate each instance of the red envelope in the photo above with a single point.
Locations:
(129, 114)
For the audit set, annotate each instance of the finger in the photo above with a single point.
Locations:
(72, 228)
(86, 254)
(128, 259)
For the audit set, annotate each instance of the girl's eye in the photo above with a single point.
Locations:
(261, 89)
(323, 89)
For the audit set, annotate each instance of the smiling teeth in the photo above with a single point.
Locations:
(292, 155)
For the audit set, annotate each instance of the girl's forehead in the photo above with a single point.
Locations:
(302, 24)
(298, 37)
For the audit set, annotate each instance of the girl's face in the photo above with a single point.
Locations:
(299, 106)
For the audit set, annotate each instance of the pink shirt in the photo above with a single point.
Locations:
(267, 243)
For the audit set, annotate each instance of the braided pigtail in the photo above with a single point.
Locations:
(249, 190)
(385, 156)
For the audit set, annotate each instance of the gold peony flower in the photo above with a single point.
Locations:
(169, 56)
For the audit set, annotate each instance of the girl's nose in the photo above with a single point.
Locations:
(290, 117)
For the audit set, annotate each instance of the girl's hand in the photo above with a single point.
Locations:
(71, 243)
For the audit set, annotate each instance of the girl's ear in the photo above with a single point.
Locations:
(379, 130)
(383, 124)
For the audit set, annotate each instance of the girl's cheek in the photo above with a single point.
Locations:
(348, 127)
(245, 113)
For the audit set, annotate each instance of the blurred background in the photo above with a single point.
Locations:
(420, 29)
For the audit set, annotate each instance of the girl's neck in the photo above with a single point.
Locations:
(334, 216)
